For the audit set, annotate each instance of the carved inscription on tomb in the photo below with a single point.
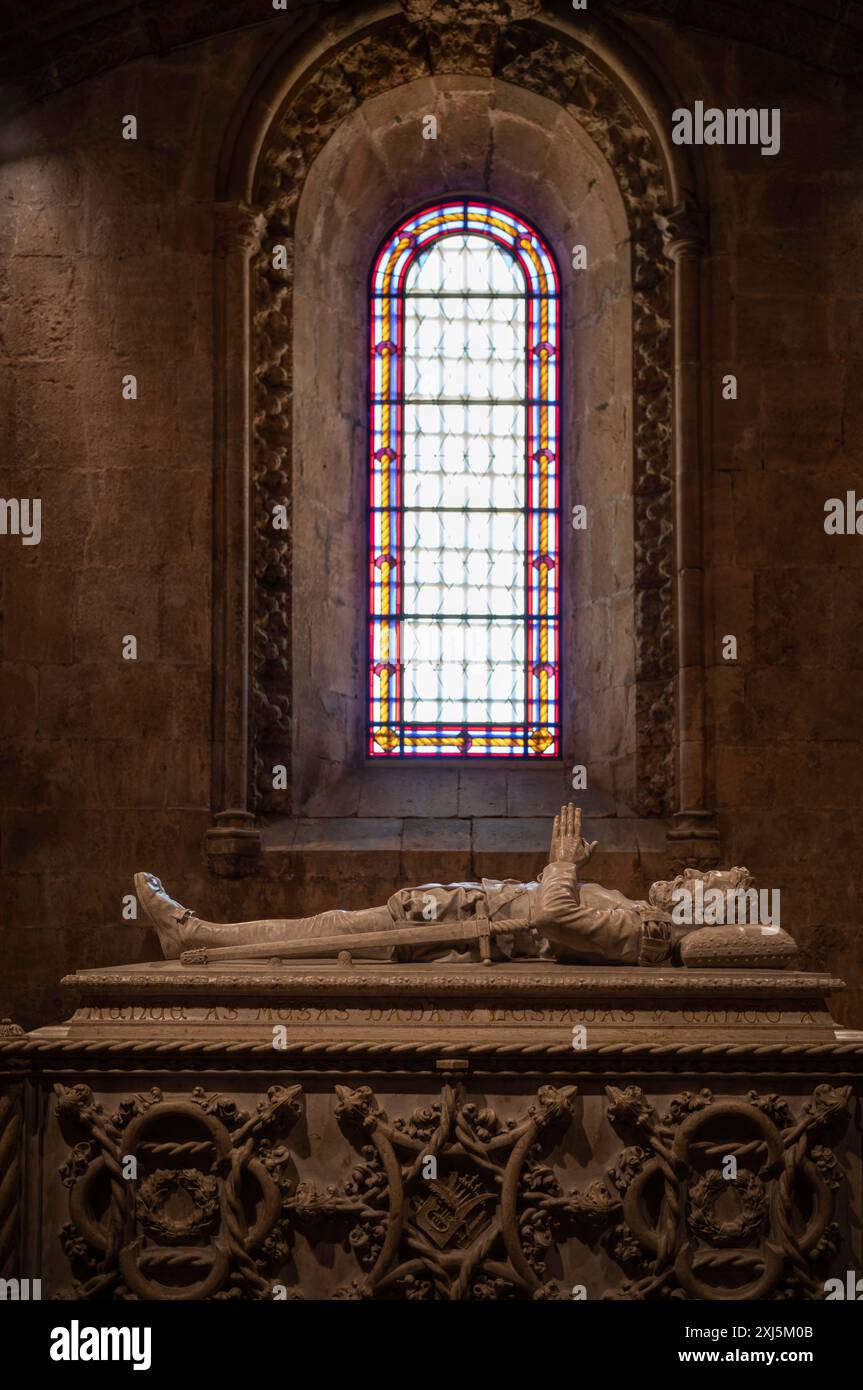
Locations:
(430, 1012)
(138, 1013)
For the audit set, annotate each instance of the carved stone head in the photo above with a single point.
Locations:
(662, 893)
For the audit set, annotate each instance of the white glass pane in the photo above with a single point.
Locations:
(457, 672)
(470, 263)
(464, 348)
(464, 455)
(463, 563)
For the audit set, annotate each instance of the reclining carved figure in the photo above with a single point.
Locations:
(558, 917)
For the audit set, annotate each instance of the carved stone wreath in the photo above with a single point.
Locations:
(495, 38)
(156, 1193)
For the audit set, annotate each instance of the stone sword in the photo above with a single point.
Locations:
(477, 928)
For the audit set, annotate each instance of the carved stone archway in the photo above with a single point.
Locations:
(295, 112)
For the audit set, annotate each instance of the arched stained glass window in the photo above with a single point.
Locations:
(464, 610)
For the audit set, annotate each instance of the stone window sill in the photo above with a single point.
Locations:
(470, 838)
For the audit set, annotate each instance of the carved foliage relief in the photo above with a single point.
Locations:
(718, 1198)
(180, 1199)
(457, 1199)
(494, 38)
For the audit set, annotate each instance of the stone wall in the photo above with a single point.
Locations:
(106, 268)
(785, 278)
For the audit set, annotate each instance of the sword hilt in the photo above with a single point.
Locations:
(484, 930)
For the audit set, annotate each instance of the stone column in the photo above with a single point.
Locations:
(694, 835)
(233, 843)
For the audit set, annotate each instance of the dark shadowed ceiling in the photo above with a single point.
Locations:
(49, 44)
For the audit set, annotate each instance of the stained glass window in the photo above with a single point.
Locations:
(464, 601)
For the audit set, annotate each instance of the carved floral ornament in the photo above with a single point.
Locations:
(239, 228)
(181, 1228)
(496, 37)
(447, 13)
(454, 1200)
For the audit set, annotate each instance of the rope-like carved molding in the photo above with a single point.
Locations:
(10, 1177)
(433, 38)
(135, 1046)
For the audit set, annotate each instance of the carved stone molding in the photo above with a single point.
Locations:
(238, 228)
(694, 841)
(167, 978)
(556, 68)
(417, 1020)
(10, 1170)
(450, 13)
(839, 1059)
(684, 230)
(463, 37)
(233, 845)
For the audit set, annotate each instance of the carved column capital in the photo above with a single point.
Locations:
(232, 846)
(238, 228)
(684, 230)
(694, 840)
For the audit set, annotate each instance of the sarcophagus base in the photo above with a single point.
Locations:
(434, 1132)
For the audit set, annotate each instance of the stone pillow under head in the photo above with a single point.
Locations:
(738, 947)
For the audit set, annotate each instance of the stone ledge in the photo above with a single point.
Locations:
(454, 834)
(443, 789)
(506, 978)
(412, 1008)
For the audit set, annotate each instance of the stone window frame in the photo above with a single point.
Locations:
(283, 122)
